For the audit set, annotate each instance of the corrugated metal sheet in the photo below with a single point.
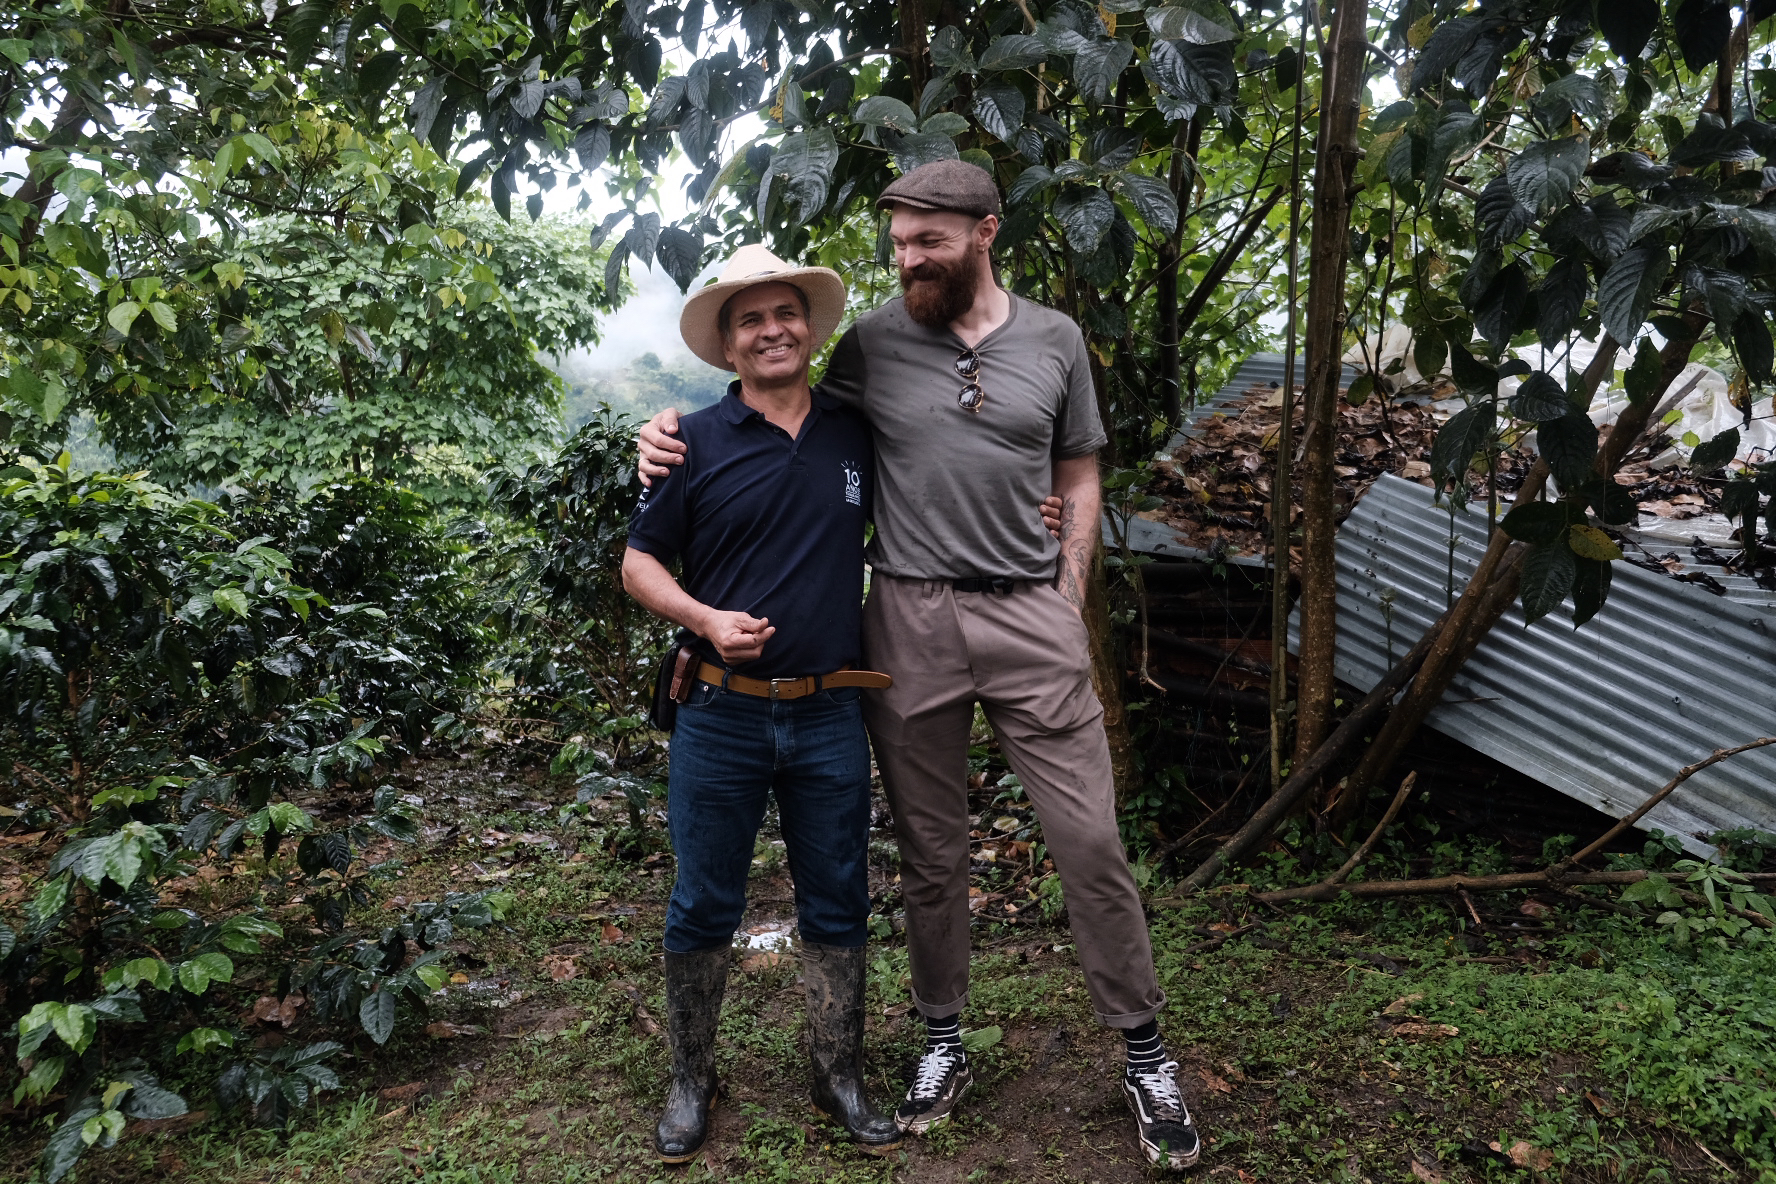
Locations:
(1664, 675)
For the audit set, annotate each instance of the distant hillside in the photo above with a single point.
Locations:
(641, 388)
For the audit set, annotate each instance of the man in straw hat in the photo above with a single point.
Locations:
(767, 516)
(982, 402)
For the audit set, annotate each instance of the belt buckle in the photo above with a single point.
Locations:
(779, 682)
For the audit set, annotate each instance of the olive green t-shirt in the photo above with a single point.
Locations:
(957, 491)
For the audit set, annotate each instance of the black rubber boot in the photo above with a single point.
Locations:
(694, 987)
(833, 976)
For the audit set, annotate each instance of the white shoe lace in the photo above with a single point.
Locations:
(1161, 1085)
(934, 1066)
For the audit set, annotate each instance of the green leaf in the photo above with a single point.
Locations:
(303, 30)
(1702, 28)
(1628, 25)
(1588, 542)
(1543, 175)
(1200, 22)
(1548, 572)
(1000, 109)
(1501, 306)
(1560, 301)
(1569, 445)
(76, 1024)
(883, 110)
(1152, 199)
(163, 316)
(1751, 340)
(1626, 292)
(1540, 398)
(378, 74)
(377, 1015)
(201, 1040)
(1098, 64)
(1085, 213)
(1465, 434)
(289, 818)
(949, 51)
(67, 1144)
(230, 599)
(1536, 522)
(1642, 377)
(1716, 453)
(197, 974)
(1430, 351)
(16, 48)
(1014, 51)
(980, 1039)
(123, 314)
(679, 252)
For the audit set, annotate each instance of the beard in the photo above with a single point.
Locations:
(938, 293)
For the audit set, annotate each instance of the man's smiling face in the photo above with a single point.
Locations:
(767, 339)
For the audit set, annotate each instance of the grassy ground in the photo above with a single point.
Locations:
(1365, 1043)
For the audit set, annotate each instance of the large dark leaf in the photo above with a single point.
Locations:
(1548, 572)
(1569, 445)
(1628, 25)
(1449, 43)
(679, 252)
(1152, 199)
(1751, 338)
(1014, 51)
(1501, 216)
(886, 111)
(1641, 379)
(592, 145)
(1560, 301)
(1195, 75)
(1711, 140)
(1715, 453)
(1085, 213)
(1542, 176)
(1590, 589)
(67, 1145)
(1098, 64)
(1501, 306)
(913, 151)
(377, 1015)
(1537, 522)
(1032, 180)
(1540, 398)
(1203, 22)
(1465, 434)
(1702, 28)
(1000, 109)
(1627, 289)
(302, 31)
(1472, 376)
(697, 135)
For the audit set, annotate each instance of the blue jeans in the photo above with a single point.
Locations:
(728, 751)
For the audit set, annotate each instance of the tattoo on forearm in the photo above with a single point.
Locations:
(1070, 571)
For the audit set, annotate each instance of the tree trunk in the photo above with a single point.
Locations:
(1340, 103)
(1107, 676)
(912, 40)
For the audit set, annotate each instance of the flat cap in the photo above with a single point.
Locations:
(945, 185)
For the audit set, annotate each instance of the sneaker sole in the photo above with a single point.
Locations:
(920, 1126)
(1157, 1155)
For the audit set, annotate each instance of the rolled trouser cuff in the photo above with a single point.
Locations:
(939, 1011)
(1133, 1019)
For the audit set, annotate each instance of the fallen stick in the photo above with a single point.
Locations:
(1500, 883)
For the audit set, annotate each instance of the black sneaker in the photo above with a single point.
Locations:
(938, 1084)
(1167, 1134)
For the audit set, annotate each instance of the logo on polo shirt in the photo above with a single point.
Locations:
(853, 483)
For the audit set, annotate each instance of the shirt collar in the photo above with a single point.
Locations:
(735, 410)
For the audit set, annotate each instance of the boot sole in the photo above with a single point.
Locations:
(688, 1156)
(868, 1148)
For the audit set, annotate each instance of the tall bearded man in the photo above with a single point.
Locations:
(980, 403)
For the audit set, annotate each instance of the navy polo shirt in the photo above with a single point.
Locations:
(770, 526)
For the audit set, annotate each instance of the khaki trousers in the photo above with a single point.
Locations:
(1024, 656)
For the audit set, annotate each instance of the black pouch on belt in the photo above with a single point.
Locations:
(674, 682)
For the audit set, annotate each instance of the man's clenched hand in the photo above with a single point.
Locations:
(660, 447)
(737, 636)
(1050, 509)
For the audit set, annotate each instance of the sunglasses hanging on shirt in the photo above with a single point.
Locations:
(970, 397)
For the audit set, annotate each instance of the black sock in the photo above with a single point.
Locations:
(945, 1031)
(1145, 1050)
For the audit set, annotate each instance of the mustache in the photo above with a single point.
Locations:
(925, 272)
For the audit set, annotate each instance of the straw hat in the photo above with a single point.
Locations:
(700, 322)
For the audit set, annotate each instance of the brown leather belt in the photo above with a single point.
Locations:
(791, 688)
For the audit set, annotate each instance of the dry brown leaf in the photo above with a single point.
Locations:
(1527, 1155)
(1399, 1006)
(1424, 1031)
(1412, 470)
(402, 1093)
(612, 935)
(761, 961)
(1534, 908)
(1604, 1107)
(560, 967)
(459, 978)
(1214, 1083)
(445, 1030)
(1425, 1174)
(269, 1009)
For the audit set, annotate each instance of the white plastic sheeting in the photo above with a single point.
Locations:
(1606, 714)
